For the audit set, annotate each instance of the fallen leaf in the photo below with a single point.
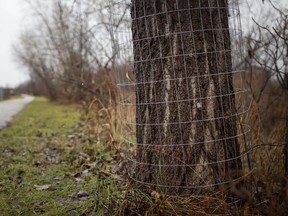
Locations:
(59, 178)
(72, 136)
(85, 171)
(79, 181)
(42, 187)
(83, 193)
(155, 195)
(82, 173)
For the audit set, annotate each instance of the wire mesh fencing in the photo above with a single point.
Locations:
(184, 109)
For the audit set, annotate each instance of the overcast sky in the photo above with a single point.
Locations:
(13, 20)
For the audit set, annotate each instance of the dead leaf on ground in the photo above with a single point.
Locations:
(79, 181)
(81, 195)
(72, 137)
(83, 173)
(42, 187)
(155, 195)
(59, 178)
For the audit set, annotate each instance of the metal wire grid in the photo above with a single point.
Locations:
(180, 162)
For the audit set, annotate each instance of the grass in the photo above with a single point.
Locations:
(267, 185)
(58, 160)
(49, 167)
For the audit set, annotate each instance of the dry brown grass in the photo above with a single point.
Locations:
(267, 190)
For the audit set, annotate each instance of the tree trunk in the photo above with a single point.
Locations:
(286, 133)
(185, 104)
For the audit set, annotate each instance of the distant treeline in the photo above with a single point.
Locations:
(6, 93)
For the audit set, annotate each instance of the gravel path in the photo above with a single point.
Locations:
(10, 108)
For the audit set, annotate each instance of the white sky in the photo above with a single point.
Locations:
(264, 14)
(13, 19)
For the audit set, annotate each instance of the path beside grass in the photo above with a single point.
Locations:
(9, 108)
(48, 166)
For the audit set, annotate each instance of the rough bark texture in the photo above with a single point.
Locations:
(286, 133)
(182, 97)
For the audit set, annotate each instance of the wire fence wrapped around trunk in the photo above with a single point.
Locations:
(184, 107)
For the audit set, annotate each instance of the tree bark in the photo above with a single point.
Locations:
(185, 105)
(286, 133)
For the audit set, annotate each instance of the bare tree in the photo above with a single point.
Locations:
(269, 49)
(69, 45)
(32, 54)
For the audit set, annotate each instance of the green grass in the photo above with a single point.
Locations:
(45, 145)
